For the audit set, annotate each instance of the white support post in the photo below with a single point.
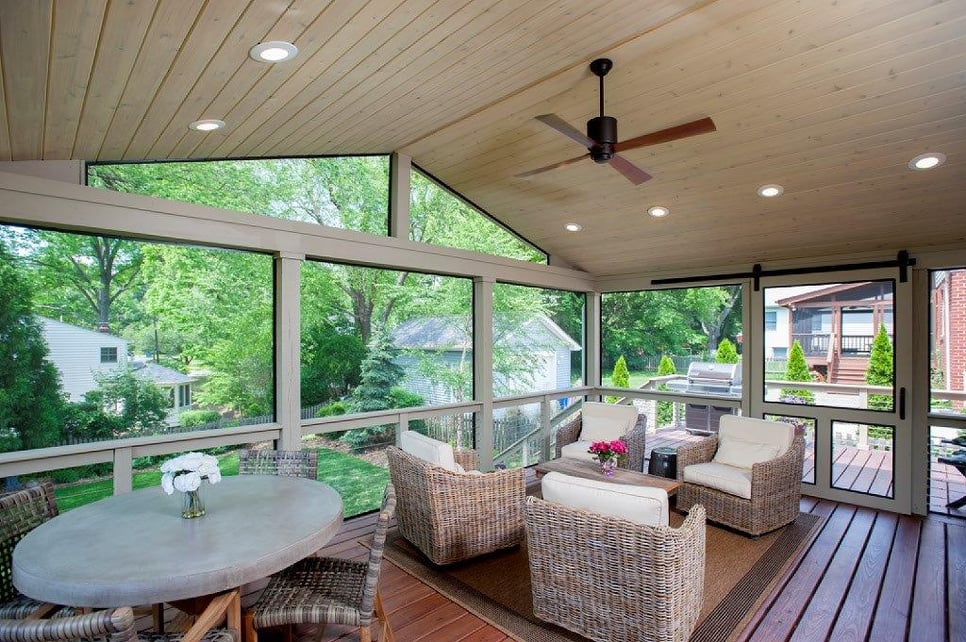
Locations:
(123, 471)
(483, 368)
(592, 347)
(400, 186)
(288, 376)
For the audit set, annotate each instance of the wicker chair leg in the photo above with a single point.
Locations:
(386, 634)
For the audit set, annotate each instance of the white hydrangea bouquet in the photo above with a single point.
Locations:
(185, 473)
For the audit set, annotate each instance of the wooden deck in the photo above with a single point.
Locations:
(869, 575)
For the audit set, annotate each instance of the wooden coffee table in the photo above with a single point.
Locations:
(591, 470)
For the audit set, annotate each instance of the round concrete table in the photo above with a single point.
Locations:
(135, 548)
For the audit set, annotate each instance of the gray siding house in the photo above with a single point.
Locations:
(437, 356)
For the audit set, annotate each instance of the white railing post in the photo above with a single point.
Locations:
(123, 471)
(545, 411)
(592, 347)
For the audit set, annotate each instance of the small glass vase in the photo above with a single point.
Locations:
(192, 505)
(608, 466)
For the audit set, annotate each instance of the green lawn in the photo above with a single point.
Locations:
(360, 483)
(637, 379)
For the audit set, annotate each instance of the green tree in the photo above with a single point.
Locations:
(665, 409)
(797, 370)
(139, 405)
(881, 372)
(726, 352)
(32, 410)
(331, 362)
(621, 376)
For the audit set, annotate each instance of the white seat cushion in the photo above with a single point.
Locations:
(577, 450)
(640, 504)
(435, 452)
(745, 441)
(606, 421)
(727, 479)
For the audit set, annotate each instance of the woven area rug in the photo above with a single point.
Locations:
(740, 574)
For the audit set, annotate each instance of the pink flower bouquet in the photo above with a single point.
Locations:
(607, 451)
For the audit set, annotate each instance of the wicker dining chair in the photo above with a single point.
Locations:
(570, 433)
(112, 625)
(327, 590)
(20, 512)
(608, 578)
(453, 516)
(287, 463)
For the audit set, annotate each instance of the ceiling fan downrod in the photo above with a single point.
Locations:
(602, 129)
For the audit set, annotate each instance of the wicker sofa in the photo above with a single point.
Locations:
(452, 516)
(654, 592)
(630, 427)
(771, 486)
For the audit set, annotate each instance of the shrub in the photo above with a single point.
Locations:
(665, 409)
(797, 370)
(192, 418)
(726, 352)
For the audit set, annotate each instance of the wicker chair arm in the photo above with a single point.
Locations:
(780, 474)
(118, 624)
(700, 452)
(568, 433)
(635, 440)
(468, 458)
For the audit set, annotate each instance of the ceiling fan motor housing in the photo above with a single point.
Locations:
(603, 131)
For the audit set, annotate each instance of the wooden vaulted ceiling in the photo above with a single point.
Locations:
(830, 99)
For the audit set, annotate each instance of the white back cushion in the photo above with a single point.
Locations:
(577, 450)
(606, 421)
(745, 441)
(639, 504)
(434, 451)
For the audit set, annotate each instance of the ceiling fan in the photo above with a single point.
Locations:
(601, 139)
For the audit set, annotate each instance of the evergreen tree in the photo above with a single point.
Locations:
(32, 409)
(621, 376)
(797, 370)
(665, 409)
(726, 352)
(881, 369)
(380, 373)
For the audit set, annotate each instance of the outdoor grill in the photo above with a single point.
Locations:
(708, 378)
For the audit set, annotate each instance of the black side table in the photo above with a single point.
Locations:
(663, 463)
(957, 461)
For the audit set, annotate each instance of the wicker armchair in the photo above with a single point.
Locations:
(452, 516)
(569, 433)
(287, 463)
(115, 625)
(20, 512)
(607, 578)
(775, 484)
(325, 590)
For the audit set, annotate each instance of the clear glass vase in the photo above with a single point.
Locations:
(607, 466)
(192, 505)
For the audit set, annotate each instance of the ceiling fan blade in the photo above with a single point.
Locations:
(631, 172)
(541, 170)
(702, 126)
(565, 128)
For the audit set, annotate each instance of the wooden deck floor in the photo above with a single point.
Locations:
(869, 575)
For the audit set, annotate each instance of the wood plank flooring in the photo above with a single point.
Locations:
(869, 575)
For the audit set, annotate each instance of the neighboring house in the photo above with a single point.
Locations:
(177, 385)
(80, 354)
(834, 324)
(431, 344)
(948, 353)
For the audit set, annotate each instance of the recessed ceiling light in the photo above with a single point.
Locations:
(573, 227)
(927, 160)
(207, 125)
(658, 211)
(770, 191)
(273, 51)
